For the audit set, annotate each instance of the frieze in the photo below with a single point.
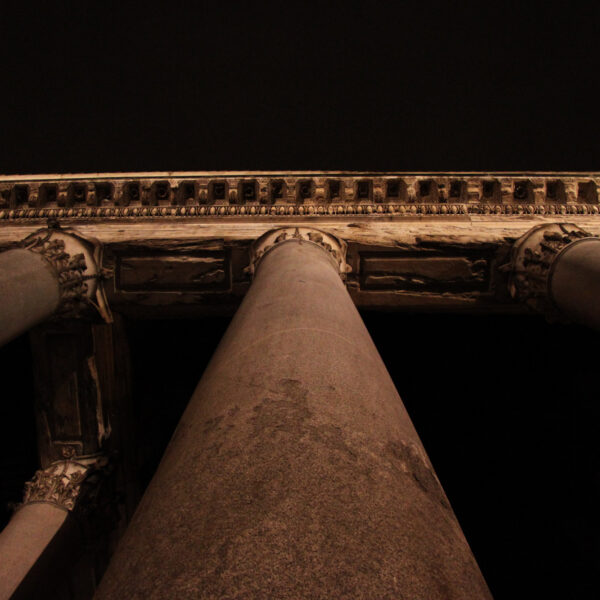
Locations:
(431, 273)
(174, 272)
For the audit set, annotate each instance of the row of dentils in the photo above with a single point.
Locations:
(164, 192)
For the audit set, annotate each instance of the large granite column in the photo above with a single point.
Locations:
(295, 471)
(555, 268)
(52, 269)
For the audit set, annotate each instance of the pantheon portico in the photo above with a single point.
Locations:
(295, 471)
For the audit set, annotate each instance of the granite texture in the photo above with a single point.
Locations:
(295, 471)
(29, 291)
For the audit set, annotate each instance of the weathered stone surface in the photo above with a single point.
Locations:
(171, 273)
(433, 273)
(295, 471)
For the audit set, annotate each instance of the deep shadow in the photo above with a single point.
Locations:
(168, 359)
(506, 407)
(18, 441)
(507, 410)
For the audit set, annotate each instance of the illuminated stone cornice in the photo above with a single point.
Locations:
(296, 194)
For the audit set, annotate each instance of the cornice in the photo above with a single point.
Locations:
(328, 194)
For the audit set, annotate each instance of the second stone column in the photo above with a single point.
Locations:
(295, 471)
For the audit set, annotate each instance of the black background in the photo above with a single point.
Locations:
(507, 407)
(427, 86)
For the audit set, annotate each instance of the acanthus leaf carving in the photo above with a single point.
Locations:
(61, 482)
(532, 259)
(334, 247)
(77, 264)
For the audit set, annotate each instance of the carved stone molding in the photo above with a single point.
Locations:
(335, 247)
(77, 262)
(316, 194)
(61, 483)
(317, 210)
(532, 260)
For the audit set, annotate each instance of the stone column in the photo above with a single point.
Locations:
(295, 471)
(60, 539)
(52, 270)
(43, 539)
(555, 269)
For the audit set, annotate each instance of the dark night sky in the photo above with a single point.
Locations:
(102, 87)
(425, 86)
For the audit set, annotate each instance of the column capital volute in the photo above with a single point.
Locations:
(77, 261)
(334, 247)
(533, 258)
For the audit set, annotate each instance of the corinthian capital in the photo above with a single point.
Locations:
(335, 247)
(77, 262)
(61, 483)
(533, 258)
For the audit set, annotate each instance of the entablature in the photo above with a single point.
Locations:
(437, 245)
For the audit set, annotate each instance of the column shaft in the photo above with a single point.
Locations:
(575, 282)
(29, 292)
(36, 546)
(295, 471)
(40, 541)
